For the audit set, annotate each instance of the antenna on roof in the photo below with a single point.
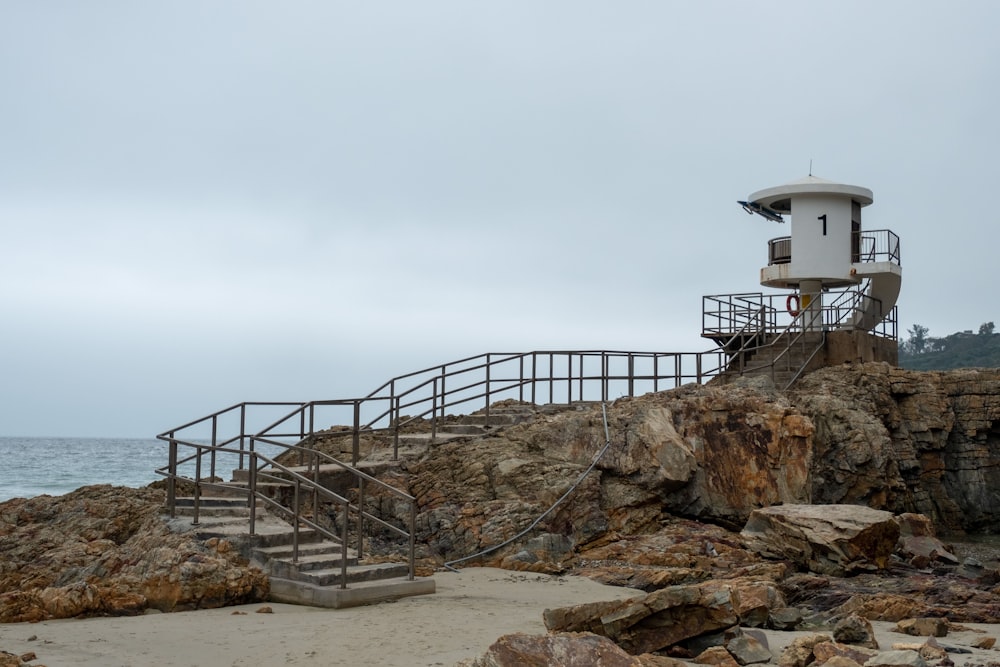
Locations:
(810, 167)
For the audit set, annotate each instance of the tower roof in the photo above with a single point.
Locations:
(778, 198)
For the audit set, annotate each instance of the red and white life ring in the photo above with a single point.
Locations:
(794, 312)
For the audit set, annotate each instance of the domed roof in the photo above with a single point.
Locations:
(778, 198)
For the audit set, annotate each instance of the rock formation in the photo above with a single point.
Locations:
(103, 550)
(660, 512)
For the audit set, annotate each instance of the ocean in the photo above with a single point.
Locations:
(54, 466)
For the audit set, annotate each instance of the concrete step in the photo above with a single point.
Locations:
(361, 593)
(317, 547)
(307, 566)
(355, 574)
(463, 429)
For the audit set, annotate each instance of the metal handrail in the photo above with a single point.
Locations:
(733, 317)
(868, 246)
(263, 467)
(427, 394)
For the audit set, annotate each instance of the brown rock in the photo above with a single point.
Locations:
(896, 659)
(652, 660)
(837, 540)
(747, 650)
(106, 550)
(923, 627)
(838, 661)
(716, 655)
(985, 642)
(855, 629)
(824, 651)
(559, 650)
(932, 650)
(799, 652)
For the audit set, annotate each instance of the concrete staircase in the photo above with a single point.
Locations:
(778, 360)
(324, 574)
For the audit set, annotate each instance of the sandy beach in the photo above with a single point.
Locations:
(470, 610)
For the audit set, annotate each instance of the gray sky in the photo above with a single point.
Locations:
(208, 202)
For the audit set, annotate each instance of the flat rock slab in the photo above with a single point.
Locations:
(837, 540)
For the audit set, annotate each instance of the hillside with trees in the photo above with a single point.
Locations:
(963, 349)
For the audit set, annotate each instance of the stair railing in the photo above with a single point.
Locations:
(736, 317)
(261, 467)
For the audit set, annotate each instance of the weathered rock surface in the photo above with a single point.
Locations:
(671, 615)
(562, 650)
(830, 539)
(867, 435)
(907, 441)
(104, 550)
(686, 468)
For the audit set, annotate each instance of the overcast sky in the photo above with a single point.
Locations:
(205, 202)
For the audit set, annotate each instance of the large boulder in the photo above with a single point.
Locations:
(670, 615)
(837, 540)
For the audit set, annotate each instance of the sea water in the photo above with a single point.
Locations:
(54, 466)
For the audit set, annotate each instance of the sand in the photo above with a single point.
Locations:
(470, 610)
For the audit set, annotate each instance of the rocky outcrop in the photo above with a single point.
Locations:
(867, 434)
(686, 468)
(105, 550)
(907, 441)
(839, 540)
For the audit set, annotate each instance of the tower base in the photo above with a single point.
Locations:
(859, 346)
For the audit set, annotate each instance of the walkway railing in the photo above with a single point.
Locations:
(248, 439)
(747, 324)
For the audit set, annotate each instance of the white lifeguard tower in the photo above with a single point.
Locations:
(839, 287)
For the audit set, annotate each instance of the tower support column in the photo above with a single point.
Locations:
(811, 298)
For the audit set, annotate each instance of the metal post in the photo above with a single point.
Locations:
(343, 544)
(243, 430)
(215, 443)
(356, 443)
(361, 517)
(444, 392)
(604, 376)
(552, 378)
(487, 416)
(253, 491)
(569, 379)
(395, 430)
(197, 486)
(172, 479)
(434, 403)
(315, 490)
(579, 390)
(534, 377)
(295, 522)
(631, 374)
(413, 531)
(520, 384)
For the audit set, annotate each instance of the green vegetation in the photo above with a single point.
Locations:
(963, 349)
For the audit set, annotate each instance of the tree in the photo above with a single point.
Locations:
(986, 329)
(918, 338)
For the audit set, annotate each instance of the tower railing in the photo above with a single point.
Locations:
(869, 246)
(748, 324)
